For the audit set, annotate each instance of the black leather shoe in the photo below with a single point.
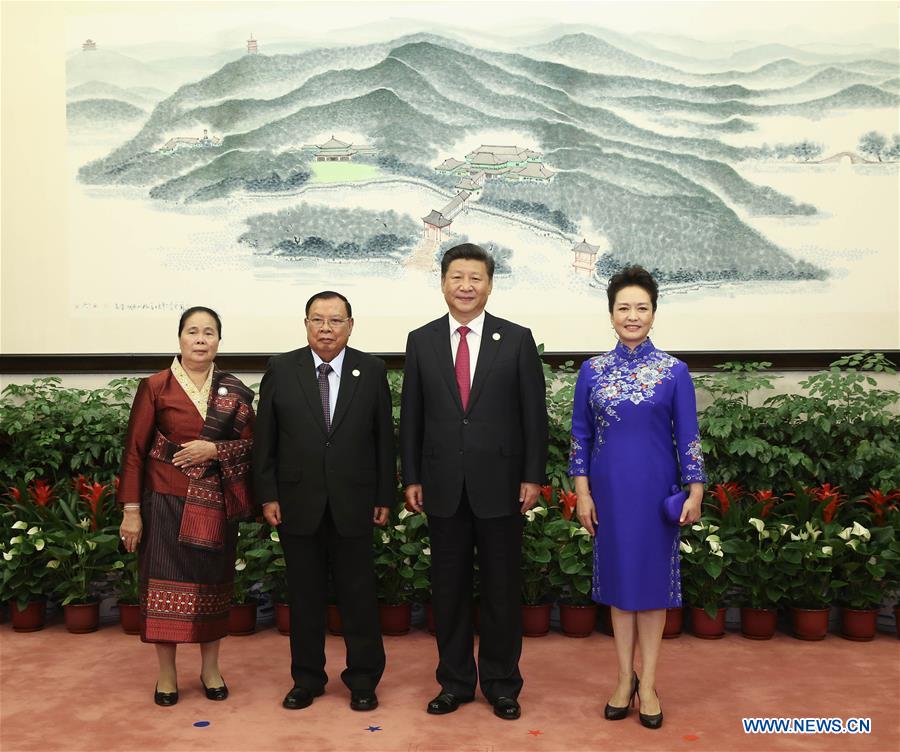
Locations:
(614, 713)
(507, 708)
(300, 697)
(652, 721)
(445, 702)
(166, 699)
(363, 701)
(215, 693)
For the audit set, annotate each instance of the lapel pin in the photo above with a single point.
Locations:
(496, 336)
(355, 372)
(222, 391)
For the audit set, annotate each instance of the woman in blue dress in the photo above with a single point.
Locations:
(634, 437)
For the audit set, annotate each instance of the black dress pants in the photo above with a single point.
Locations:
(499, 549)
(308, 558)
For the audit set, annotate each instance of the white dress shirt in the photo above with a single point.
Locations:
(473, 338)
(334, 378)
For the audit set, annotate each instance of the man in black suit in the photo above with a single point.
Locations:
(324, 468)
(473, 436)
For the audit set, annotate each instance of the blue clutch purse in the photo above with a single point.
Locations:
(673, 504)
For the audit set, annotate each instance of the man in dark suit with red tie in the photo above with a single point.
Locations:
(473, 436)
(325, 470)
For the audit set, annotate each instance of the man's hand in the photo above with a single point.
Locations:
(528, 494)
(381, 515)
(272, 513)
(413, 496)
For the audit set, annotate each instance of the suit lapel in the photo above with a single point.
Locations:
(491, 341)
(348, 383)
(440, 340)
(309, 385)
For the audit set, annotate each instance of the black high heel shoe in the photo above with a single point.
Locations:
(652, 721)
(215, 693)
(613, 713)
(166, 699)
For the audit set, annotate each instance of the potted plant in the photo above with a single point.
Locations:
(703, 579)
(275, 582)
(571, 571)
(252, 557)
(805, 562)
(23, 580)
(78, 557)
(128, 592)
(537, 553)
(759, 587)
(397, 545)
(860, 571)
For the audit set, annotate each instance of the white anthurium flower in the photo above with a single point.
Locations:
(7, 555)
(685, 547)
(713, 528)
(92, 545)
(39, 544)
(240, 565)
(33, 530)
(404, 513)
(785, 527)
(860, 531)
(718, 552)
(529, 515)
(85, 523)
(53, 564)
(853, 543)
(20, 525)
(714, 546)
(845, 533)
(406, 561)
(400, 528)
(795, 537)
(118, 564)
(542, 511)
(757, 523)
(426, 551)
(713, 538)
(385, 538)
(873, 560)
(697, 528)
(827, 550)
(582, 531)
(274, 536)
(765, 534)
(16, 541)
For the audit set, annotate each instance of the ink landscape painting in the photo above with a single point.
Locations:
(252, 165)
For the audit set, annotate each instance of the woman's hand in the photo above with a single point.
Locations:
(584, 504)
(690, 511)
(195, 453)
(131, 528)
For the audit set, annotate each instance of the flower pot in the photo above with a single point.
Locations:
(536, 620)
(31, 618)
(758, 623)
(395, 618)
(82, 618)
(242, 618)
(809, 623)
(335, 625)
(704, 627)
(674, 623)
(283, 618)
(130, 617)
(857, 624)
(577, 621)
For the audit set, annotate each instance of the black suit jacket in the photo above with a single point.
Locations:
(501, 439)
(301, 465)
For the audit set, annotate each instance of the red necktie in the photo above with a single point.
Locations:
(462, 367)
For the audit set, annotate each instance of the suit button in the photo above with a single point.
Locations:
(460, 451)
(328, 443)
(465, 421)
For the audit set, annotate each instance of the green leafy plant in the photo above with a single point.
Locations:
(275, 577)
(402, 557)
(127, 584)
(753, 571)
(24, 574)
(860, 568)
(572, 567)
(806, 562)
(538, 549)
(704, 558)
(253, 555)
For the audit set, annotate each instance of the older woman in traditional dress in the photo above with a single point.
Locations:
(634, 437)
(184, 485)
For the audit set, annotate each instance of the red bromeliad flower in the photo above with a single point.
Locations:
(830, 496)
(41, 493)
(14, 493)
(767, 499)
(725, 494)
(93, 496)
(547, 493)
(567, 500)
(881, 503)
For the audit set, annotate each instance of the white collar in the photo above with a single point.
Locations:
(337, 363)
(476, 325)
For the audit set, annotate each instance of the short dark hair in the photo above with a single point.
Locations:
(632, 276)
(329, 295)
(199, 309)
(467, 251)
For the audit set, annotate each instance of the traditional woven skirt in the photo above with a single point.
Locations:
(186, 592)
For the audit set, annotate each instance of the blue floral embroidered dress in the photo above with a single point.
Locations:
(635, 435)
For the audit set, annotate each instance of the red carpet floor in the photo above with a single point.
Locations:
(68, 693)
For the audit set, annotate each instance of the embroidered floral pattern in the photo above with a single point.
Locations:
(694, 471)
